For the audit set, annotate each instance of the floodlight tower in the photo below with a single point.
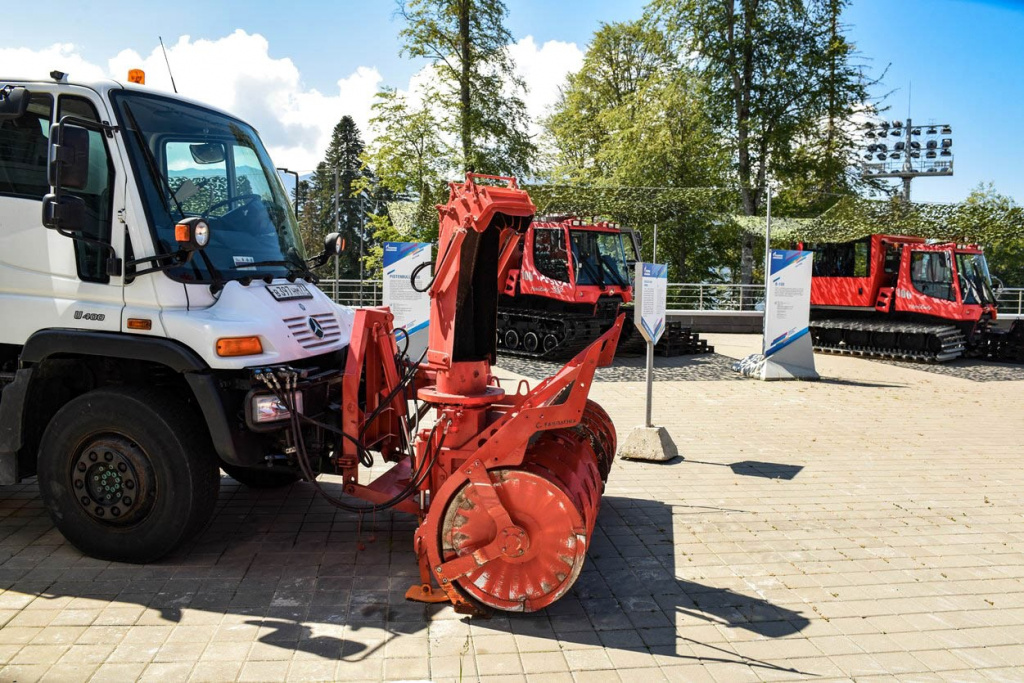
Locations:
(917, 151)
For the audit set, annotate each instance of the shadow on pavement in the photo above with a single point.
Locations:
(629, 595)
(282, 568)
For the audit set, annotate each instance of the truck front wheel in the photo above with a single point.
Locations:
(127, 474)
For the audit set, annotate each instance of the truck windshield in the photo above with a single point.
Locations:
(191, 161)
(600, 258)
(975, 281)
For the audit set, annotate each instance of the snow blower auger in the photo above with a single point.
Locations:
(507, 487)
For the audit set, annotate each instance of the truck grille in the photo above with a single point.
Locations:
(304, 331)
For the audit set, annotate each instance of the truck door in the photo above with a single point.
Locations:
(46, 279)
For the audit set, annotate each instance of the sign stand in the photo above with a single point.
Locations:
(788, 352)
(649, 442)
(410, 307)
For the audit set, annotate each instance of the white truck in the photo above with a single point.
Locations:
(150, 275)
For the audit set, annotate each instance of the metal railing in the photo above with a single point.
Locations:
(354, 292)
(693, 296)
(1011, 300)
(687, 296)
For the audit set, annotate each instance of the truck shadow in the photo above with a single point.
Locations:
(282, 569)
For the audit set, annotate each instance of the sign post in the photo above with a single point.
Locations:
(410, 307)
(788, 352)
(651, 285)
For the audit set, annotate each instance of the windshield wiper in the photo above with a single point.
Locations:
(217, 280)
(295, 266)
(157, 177)
(595, 273)
(608, 269)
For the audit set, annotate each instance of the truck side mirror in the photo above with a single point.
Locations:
(331, 244)
(69, 158)
(13, 102)
(64, 212)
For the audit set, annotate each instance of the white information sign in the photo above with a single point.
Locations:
(651, 289)
(788, 350)
(410, 308)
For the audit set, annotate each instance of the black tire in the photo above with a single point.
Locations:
(260, 478)
(115, 441)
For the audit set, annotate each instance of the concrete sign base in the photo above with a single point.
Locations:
(649, 443)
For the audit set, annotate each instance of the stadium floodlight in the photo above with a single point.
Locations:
(910, 157)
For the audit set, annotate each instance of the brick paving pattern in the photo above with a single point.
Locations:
(867, 527)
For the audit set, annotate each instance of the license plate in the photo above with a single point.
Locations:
(289, 291)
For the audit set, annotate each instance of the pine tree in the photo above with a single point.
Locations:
(339, 181)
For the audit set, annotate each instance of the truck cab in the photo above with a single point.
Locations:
(151, 275)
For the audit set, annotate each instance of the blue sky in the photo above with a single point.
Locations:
(962, 59)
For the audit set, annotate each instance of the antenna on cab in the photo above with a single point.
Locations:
(166, 61)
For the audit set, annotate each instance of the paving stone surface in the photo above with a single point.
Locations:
(869, 527)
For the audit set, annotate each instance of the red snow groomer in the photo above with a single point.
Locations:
(893, 296)
(562, 282)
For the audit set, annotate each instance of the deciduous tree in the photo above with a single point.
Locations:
(479, 89)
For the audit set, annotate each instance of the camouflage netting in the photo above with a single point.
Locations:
(629, 205)
(852, 218)
(403, 214)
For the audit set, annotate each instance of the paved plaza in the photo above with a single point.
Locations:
(868, 527)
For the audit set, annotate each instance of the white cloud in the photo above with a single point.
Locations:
(237, 73)
(544, 69)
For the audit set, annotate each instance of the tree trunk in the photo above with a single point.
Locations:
(464, 76)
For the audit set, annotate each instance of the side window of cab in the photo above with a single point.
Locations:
(97, 194)
(23, 146)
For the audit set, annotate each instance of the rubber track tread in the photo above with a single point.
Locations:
(587, 329)
(950, 340)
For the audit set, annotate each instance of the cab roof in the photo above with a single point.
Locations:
(104, 86)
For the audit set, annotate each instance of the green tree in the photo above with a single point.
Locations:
(331, 198)
(634, 116)
(776, 69)
(479, 91)
(410, 156)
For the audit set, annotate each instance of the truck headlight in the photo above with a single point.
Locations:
(269, 408)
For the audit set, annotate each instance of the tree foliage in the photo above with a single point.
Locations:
(331, 197)
(776, 71)
(479, 90)
(632, 118)
(411, 158)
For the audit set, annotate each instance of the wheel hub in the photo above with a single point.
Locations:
(109, 477)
